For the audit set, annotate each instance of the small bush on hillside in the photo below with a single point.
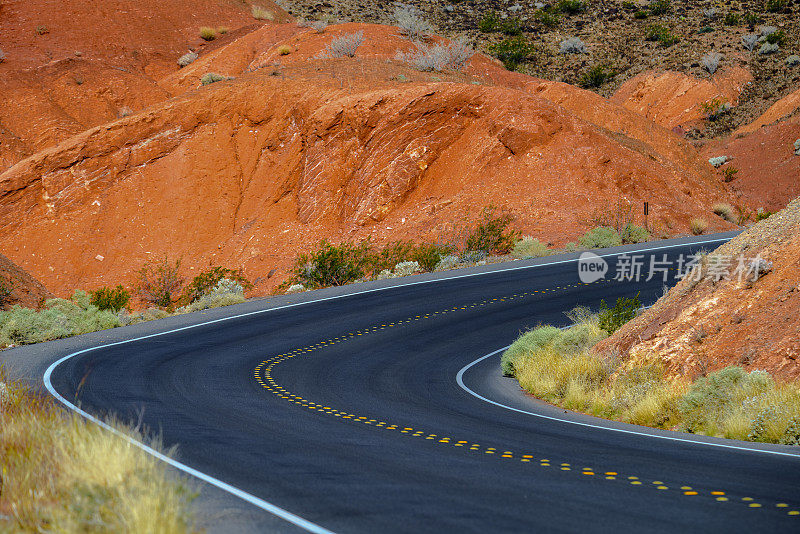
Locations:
(438, 57)
(345, 45)
(775, 6)
(212, 77)
(411, 23)
(762, 214)
(571, 7)
(641, 14)
(260, 13)
(660, 7)
(333, 265)
(6, 288)
(793, 61)
(429, 256)
(529, 247)
(547, 18)
(224, 293)
(60, 318)
(572, 45)
(187, 59)
(612, 319)
(107, 298)
(715, 108)
(724, 210)
(160, 284)
(284, 50)
(597, 75)
(749, 41)
(698, 226)
(512, 51)
(732, 19)
(451, 261)
(711, 61)
(492, 234)
(2, 55)
(729, 174)
(530, 341)
(662, 34)
(778, 37)
(490, 22)
(768, 48)
(208, 34)
(208, 281)
(634, 233)
(601, 237)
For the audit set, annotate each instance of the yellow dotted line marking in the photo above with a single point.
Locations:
(263, 375)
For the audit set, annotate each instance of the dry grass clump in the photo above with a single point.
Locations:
(724, 210)
(559, 366)
(698, 226)
(284, 50)
(64, 474)
(530, 247)
(261, 13)
(208, 34)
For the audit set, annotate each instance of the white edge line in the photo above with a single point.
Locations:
(460, 380)
(260, 503)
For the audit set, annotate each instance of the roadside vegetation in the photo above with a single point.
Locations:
(61, 473)
(560, 366)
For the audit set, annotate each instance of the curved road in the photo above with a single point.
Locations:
(348, 413)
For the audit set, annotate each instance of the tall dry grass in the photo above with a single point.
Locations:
(63, 474)
(559, 366)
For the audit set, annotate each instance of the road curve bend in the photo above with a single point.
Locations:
(365, 410)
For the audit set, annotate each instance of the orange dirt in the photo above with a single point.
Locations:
(674, 100)
(25, 290)
(701, 327)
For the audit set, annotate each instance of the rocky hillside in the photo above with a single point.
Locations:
(18, 287)
(708, 322)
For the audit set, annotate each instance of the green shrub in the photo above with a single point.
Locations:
(571, 7)
(547, 18)
(6, 287)
(107, 298)
(490, 22)
(732, 19)
(596, 76)
(633, 233)
(492, 234)
(601, 237)
(206, 281)
(428, 256)
(60, 318)
(529, 247)
(660, 7)
(512, 51)
(778, 37)
(511, 26)
(212, 77)
(529, 342)
(612, 319)
(160, 284)
(641, 14)
(208, 34)
(775, 6)
(762, 214)
(333, 265)
(662, 34)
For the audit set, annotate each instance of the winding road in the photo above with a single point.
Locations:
(381, 409)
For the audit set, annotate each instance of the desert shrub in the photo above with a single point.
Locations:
(492, 234)
(224, 293)
(223, 30)
(633, 233)
(698, 226)
(59, 318)
(662, 34)
(110, 298)
(187, 59)
(724, 210)
(710, 14)
(208, 34)
(571, 7)
(797, 147)
(208, 281)
(768, 48)
(333, 265)
(596, 76)
(572, 45)
(428, 256)
(404, 268)
(718, 161)
(41, 29)
(284, 50)
(511, 26)
(490, 22)
(612, 319)
(749, 41)
(2, 55)
(762, 214)
(778, 37)
(345, 45)
(438, 57)
(792, 61)
(641, 14)
(160, 284)
(600, 237)
(296, 288)
(729, 173)
(512, 51)
(711, 61)
(451, 261)
(732, 19)
(775, 6)
(411, 23)
(715, 108)
(212, 77)
(6, 288)
(660, 7)
(260, 13)
(547, 18)
(529, 247)
(393, 253)
(528, 342)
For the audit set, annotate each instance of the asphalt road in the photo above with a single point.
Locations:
(347, 413)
